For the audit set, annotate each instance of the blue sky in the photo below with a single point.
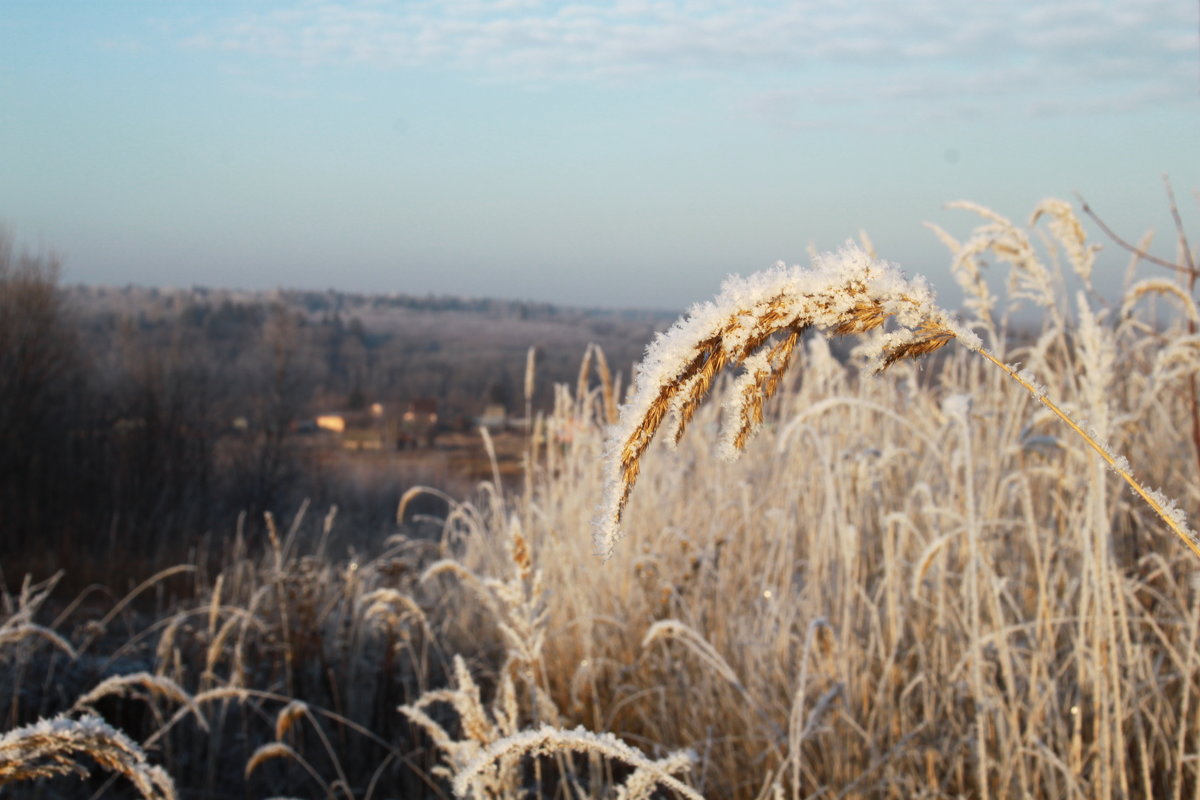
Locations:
(610, 153)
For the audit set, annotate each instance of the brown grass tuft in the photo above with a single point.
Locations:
(756, 323)
(64, 746)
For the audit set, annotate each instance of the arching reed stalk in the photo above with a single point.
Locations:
(64, 746)
(756, 322)
(547, 741)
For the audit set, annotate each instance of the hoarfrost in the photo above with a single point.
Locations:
(1027, 376)
(846, 292)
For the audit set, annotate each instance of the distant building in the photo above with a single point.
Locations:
(422, 411)
(494, 417)
(335, 423)
(419, 424)
(356, 430)
(379, 426)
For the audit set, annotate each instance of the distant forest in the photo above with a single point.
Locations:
(329, 350)
(143, 420)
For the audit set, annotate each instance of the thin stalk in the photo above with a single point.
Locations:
(1192, 274)
(1187, 536)
(983, 762)
(1188, 272)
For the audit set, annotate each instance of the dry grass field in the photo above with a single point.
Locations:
(916, 583)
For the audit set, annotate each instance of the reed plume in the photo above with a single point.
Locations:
(62, 746)
(547, 741)
(756, 323)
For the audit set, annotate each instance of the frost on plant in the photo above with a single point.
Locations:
(547, 740)
(756, 323)
(62, 746)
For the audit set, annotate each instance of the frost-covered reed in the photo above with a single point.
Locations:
(755, 323)
(915, 584)
(66, 746)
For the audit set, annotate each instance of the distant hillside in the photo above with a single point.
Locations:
(343, 350)
(139, 420)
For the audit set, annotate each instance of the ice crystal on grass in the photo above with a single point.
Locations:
(62, 746)
(547, 741)
(10, 633)
(1026, 376)
(1171, 511)
(1070, 234)
(755, 323)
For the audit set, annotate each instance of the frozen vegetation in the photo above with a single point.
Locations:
(944, 579)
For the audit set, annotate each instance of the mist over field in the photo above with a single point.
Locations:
(181, 409)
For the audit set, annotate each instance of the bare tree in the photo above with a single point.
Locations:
(39, 369)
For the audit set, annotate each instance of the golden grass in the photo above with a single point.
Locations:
(915, 585)
(64, 746)
(850, 303)
(124, 686)
(758, 327)
(546, 740)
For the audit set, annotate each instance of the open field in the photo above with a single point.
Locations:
(912, 584)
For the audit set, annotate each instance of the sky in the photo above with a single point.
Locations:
(622, 154)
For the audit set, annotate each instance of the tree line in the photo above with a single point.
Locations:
(140, 423)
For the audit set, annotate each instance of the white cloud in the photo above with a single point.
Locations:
(1113, 51)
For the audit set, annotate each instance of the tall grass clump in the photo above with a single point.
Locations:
(924, 577)
(919, 584)
(998, 589)
(756, 323)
